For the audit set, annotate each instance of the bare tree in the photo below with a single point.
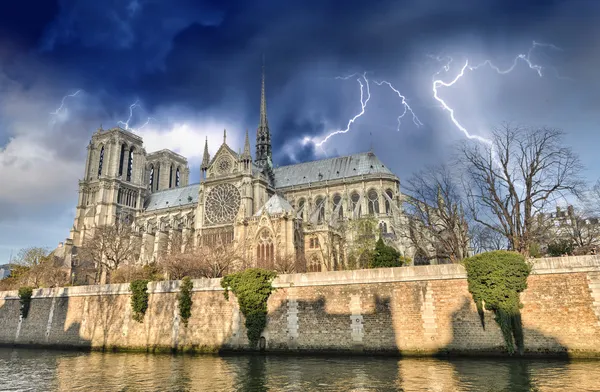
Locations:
(484, 239)
(111, 246)
(285, 264)
(32, 256)
(434, 207)
(513, 178)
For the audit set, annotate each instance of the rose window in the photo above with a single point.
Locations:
(222, 204)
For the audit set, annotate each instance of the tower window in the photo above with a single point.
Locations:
(171, 177)
(101, 160)
(151, 181)
(122, 157)
(157, 177)
(130, 164)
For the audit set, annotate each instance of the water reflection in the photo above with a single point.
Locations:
(70, 371)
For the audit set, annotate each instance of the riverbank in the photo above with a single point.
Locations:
(408, 311)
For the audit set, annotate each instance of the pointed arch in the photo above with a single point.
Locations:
(388, 205)
(177, 178)
(355, 202)
(151, 177)
(373, 201)
(122, 158)
(130, 164)
(100, 161)
(171, 176)
(337, 205)
(320, 207)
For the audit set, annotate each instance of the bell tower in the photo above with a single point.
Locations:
(113, 185)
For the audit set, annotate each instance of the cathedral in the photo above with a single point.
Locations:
(298, 211)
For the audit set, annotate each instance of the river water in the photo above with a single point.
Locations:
(41, 370)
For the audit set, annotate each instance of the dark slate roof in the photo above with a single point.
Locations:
(331, 169)
(175, 197)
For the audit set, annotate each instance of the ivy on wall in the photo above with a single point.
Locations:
(495, 281)
(252, 287)
(139, 299)
(184, 299)
(25, 294)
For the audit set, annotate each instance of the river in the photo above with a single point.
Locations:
(44, 370)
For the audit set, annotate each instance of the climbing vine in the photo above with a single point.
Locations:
(25, 294)
(495, 281)
(252, 287)
(139, 299)
(184, 299)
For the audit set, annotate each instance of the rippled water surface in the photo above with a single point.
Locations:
(33, 370)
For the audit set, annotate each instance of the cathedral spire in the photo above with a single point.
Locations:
(205, 157)
(263, 136)
(246, 154)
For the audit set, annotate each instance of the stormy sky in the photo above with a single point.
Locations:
(194, 69)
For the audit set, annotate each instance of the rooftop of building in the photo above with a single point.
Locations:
(313, 172)
(330, 169)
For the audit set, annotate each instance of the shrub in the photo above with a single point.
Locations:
(25, 294)
(184, 299)
(139, 299)
(385, 256)
(252, 288)
(560, 248)
(496, 279)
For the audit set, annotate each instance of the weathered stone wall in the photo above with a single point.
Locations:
(409, 310)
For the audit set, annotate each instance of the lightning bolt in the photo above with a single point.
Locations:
(363, 105)
(62, 102)
(126, 123)
(437, 83)
(405, 104)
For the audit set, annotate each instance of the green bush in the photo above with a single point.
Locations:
(560, 248)
(252, 288)
(139, 299)
(25, 294)
(184, 299)
(496, 279)
(385, 256)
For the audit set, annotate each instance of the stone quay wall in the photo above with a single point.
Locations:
(424, 310)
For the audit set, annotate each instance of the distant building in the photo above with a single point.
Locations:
(4, 271)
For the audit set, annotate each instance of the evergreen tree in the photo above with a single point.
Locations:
(385, 256)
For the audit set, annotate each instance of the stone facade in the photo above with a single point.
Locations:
(410, 310)
(296, 211)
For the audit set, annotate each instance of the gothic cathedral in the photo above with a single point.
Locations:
(298, 211)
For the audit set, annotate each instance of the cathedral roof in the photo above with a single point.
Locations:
(275, 205)
(331, 169)
(176, 197)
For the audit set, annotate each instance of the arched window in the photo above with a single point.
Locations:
(320, 206)
(383, 227)
(177, 179)
(354, 199)
(157, 176)
(151, 181)
(170, 176)
(265, 250)
(301, 206)
(101, 160)
(130, 164)
(337, 205)
(373, 202)
(121, 159)
(314, 264)
(388, 204)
